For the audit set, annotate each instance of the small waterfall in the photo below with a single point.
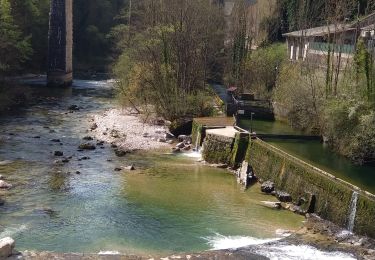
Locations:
(197, 142)
(352, 211)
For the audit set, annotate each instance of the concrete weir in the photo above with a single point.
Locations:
(60, 44)
(333, 197)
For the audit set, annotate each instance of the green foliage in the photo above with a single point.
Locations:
(93, 38)
(262, 68)
(364, 65)
(299, 92)
(165, 64)
(350, 128)
(14, 48)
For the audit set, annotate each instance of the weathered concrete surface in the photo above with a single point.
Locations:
(228, 131)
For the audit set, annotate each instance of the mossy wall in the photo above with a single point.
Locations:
(241, 142)
(333, 197)
(226, 150)
(218, 149)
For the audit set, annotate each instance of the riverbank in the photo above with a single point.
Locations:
(127, 130)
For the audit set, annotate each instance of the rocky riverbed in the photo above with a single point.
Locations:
(67, 188)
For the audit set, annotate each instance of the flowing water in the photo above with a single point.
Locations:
(353, 211)
(170, 204)
(317, 154)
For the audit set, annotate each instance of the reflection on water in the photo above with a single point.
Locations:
(316, 153)
(170, 204)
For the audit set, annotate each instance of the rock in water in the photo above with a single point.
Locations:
(87, 146)
(283, 196)
(58, 153)
(267, 187)
(130, 168)
(271, 204)
(6, 247)
(120, 153)
(73, 108)
(5, 185)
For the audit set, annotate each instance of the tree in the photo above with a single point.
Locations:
(175, 47)
(14, 48)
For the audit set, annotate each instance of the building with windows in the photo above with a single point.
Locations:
(340, 40)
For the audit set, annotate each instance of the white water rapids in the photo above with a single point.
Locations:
(274, 249)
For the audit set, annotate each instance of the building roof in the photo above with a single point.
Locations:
(321, 31)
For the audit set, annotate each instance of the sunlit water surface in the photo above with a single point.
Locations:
(170, 204)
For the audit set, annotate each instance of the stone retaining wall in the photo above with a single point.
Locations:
(333, 196)
(301, 180)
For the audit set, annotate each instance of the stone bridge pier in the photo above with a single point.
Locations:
(60, 44)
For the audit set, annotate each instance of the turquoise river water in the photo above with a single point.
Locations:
(170, 204)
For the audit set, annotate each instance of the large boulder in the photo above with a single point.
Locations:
(283, 196)
(7, 245)
(267, 187)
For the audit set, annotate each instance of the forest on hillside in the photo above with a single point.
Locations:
(164, 53)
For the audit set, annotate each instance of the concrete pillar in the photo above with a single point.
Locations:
(60, 44)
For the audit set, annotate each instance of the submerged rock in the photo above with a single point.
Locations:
(88, 138)
(73, 108)
(120, 153)
(267, 187)
(7, 245)
(87, 146)
(58, 153)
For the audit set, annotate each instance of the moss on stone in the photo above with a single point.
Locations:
(241, 142)
(218, 149)
(332, 197)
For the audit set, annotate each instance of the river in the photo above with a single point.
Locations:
(170, 204)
